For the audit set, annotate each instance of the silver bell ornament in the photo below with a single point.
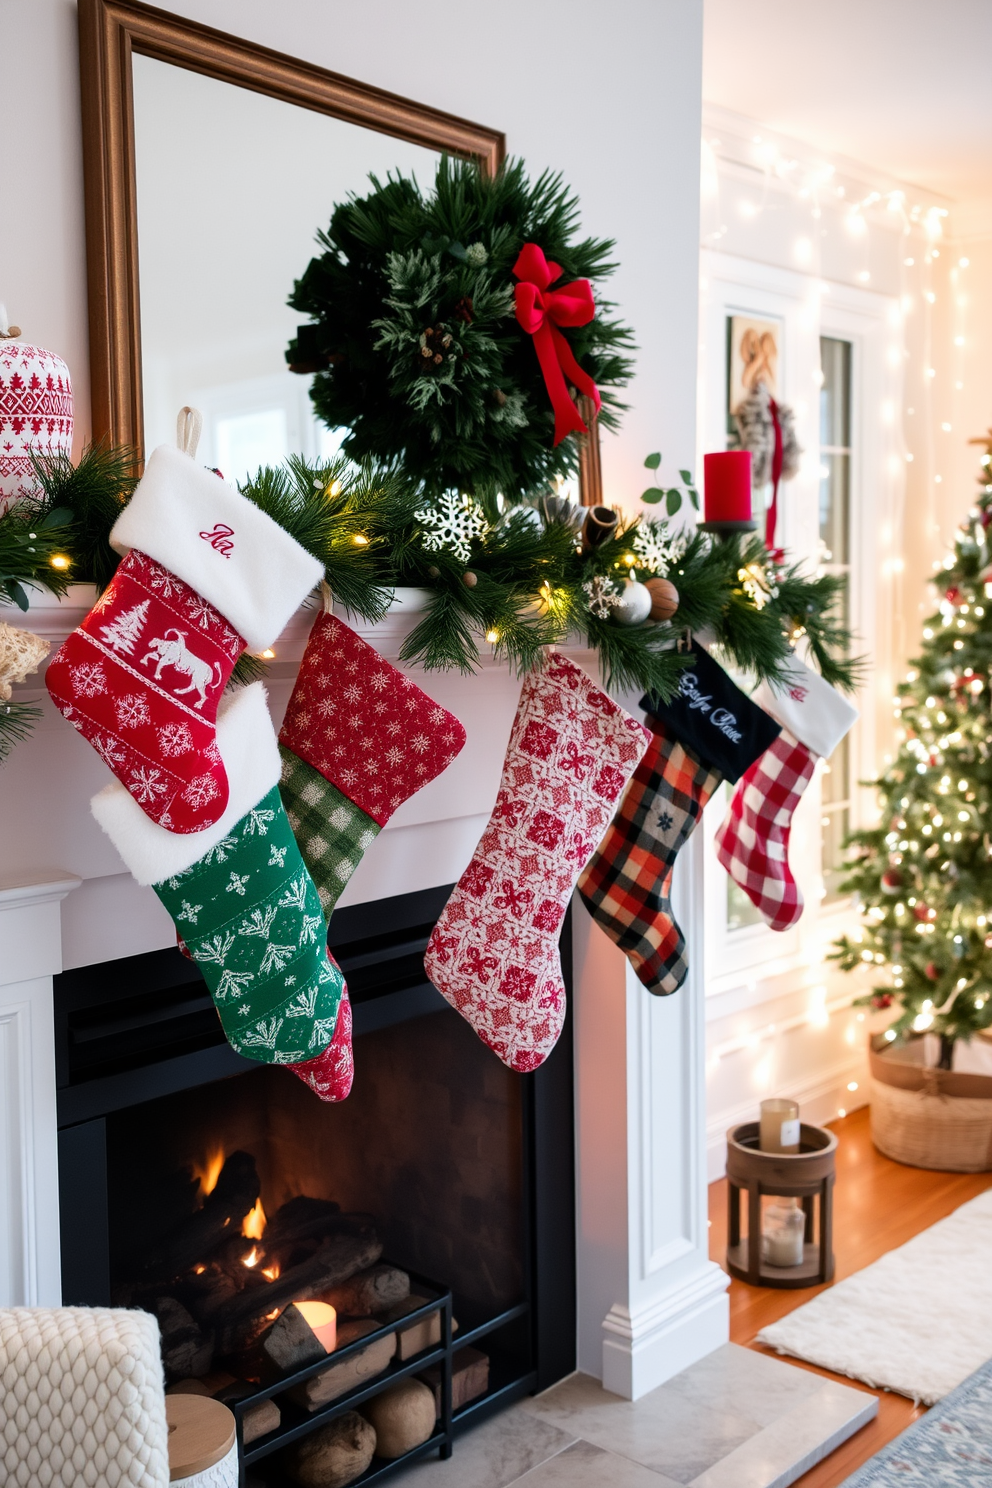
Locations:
(635, 604)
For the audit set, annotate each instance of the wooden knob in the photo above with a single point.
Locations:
(201, 1433)
(664, 598)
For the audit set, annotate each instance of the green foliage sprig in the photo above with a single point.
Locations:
(413, 337)
(923, 876)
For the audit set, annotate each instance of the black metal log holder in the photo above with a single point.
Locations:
(297, 1422)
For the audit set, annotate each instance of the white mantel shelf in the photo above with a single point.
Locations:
(650, 1300)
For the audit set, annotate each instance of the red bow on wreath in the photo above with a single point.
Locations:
(541, 311)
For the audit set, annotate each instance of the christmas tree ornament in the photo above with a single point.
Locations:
(494, 951)
(142, 676)
(35, 412)
(634, 604)
(709, 732)
(664, 599)
(359, 738)
(753, 841)
(241, 898)
(892, 881)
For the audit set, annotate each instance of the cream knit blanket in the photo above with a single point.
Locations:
(81, 1399)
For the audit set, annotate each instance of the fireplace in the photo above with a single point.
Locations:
(442, 1166)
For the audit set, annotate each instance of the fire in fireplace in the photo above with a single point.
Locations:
(431, 1215)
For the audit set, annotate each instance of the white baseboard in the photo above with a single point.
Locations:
(820, 1098)
(643, 1349)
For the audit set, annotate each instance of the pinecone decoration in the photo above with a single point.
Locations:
(434, 343)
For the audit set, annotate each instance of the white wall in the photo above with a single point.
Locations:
(615, 107)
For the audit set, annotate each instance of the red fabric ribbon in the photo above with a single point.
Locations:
(540, 311)
(771, 516)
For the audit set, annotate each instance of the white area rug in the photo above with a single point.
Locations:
(918, 1321)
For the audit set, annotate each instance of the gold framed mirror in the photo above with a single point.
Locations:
(122, 46)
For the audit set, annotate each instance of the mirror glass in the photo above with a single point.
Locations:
(232, 187)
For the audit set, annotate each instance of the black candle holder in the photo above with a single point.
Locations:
(728, 529)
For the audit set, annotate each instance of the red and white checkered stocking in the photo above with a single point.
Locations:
(753, 842)
(494, 951)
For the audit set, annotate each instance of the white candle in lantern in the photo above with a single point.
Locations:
(322, 1321)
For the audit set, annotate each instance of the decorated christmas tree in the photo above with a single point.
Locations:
(924, 874)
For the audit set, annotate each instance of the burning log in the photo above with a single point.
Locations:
(291, 1344)
(186, 1350)
(243, 1318)
(369, 1292)
(220, 1218)
(298, 1228)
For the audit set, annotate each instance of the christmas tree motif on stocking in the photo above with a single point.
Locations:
(710, 731)
(247, 909)
(359, 738)
(494, 951)
(124, 678)
(753, 841)
(204, 573)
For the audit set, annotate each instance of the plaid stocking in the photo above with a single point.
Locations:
(627, 885)
(708, 732)
(753, 842)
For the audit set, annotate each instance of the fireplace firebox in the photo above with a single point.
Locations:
(442, 1168)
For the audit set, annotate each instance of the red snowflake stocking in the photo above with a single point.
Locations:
(359, 738)
(205, 573)
(494, 951)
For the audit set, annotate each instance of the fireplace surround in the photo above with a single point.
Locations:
(648, 1299)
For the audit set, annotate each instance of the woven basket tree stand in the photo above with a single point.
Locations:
(930, 1118)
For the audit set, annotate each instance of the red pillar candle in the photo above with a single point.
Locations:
(727, 486)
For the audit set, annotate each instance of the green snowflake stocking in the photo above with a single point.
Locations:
(249, 913)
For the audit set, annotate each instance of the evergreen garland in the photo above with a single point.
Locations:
(414, 339)
(510, 585)
(923, 876)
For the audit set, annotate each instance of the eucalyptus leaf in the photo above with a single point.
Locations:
(652, 462)
(652, 495)
(686, 476)
(58, 517)
(457, 250)
(694, 497)
(17, 594)
(673, 500)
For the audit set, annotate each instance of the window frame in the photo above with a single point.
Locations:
(751, 964)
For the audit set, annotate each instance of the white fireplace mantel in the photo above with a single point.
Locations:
(650, 1301)
(30, 955)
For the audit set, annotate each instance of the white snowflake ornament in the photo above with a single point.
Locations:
(655, 548)
(451, 524)
(601, 596)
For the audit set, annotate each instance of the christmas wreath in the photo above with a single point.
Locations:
(448, 331)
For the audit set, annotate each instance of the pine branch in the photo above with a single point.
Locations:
(16, 723)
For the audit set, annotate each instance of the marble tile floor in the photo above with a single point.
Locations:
(736, 1419)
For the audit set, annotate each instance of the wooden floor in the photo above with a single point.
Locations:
(878, 1205)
